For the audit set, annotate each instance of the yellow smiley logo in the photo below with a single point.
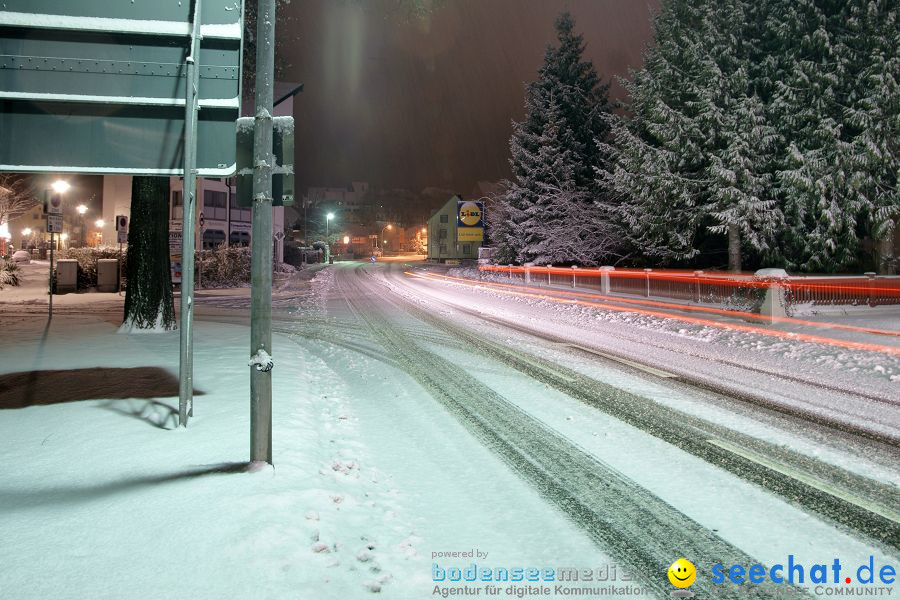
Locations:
(682, 573)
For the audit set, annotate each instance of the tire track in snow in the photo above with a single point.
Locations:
(625, 519)
(828, 491)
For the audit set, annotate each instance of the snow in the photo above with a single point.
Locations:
(104, 498)
(262, 361)
(230, 31)
(104, 99)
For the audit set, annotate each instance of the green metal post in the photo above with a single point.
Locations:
(261, 252)
(186, 363)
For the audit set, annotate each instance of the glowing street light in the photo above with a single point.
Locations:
(26, 231)
(328, 219)
(64, 236)
(60, 186)
(388, 227)
(81, 208)
(99, 223)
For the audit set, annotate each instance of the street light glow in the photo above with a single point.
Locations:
(346, 239)
(81, 208)
(60, 186)
(26, 231)
(329, 216)
(99, 223)
(390, 226)
(64, 236)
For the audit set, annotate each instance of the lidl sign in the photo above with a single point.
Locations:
(469, 221)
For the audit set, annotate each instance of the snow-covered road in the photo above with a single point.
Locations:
(415, 418)
(648, 463)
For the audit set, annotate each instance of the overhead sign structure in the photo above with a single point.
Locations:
(98, 86)
(469, 221)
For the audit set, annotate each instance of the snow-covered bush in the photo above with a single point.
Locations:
(9, 274)
(225, 267)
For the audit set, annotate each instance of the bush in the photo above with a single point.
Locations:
(9, 274)
(87, 262)
(225, 267)
(293, 255)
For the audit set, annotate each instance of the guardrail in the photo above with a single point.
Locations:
(737, 289)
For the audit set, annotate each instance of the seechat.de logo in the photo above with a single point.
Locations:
(682, 574)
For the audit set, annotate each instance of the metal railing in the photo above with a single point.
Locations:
(737, 289)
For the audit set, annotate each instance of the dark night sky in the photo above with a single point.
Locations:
(416, 102)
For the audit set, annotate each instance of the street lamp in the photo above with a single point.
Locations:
(60, 186)
(388, 227)
(328, 219)
(26, 231)
(81, 208)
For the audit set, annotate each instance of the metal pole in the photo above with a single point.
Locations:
(261, 252)
(51, 276)
(186, 362)
(121, 267)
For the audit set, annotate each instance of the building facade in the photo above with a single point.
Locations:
(443, 236)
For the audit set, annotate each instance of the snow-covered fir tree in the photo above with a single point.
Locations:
(811, 182)
(771, 124)
(568, 105)
(870, 37)
(659, 177)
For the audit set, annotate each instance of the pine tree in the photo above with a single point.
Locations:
(811, 181)
(568, 105)
(149, 302)
(870, 37)
(659, 179)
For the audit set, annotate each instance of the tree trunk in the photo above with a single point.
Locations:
(734, 248)
(887, 262)
(149, 302)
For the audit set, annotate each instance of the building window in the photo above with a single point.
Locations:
(177, 199)
(214, 204)
(442, 234)
(213, 238)
(467, 248)
(443, 218)
(443, 249)
(213, 199)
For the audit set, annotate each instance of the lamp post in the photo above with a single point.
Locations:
(388, 227)
(81, 208)
(328, 219)
(99, 224)
(60, 186)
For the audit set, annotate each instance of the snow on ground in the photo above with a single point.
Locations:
(103, 498)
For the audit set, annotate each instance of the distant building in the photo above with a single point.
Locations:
(446, 241)
(347, 203)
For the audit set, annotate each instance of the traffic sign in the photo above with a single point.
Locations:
(54, 203)
(122, 229)
(99, 87)
(279, 235)
(54, 223)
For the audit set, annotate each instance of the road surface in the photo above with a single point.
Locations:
(653, 443)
